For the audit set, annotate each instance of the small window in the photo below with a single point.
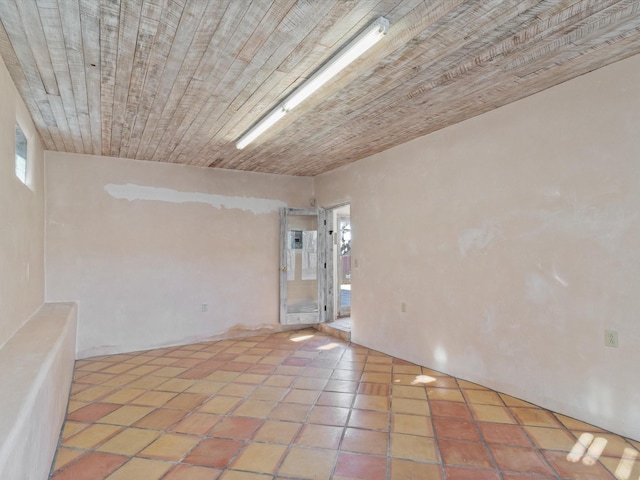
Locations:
(21, 155)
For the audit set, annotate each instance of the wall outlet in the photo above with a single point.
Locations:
(611, 338)
(205, 307)
(403, 307)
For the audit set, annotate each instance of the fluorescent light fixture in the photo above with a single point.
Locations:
(348, 54)
(260, 127)
(337, 63)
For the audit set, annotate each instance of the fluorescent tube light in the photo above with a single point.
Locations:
(338, 62)
(260, 127)
(348, 54)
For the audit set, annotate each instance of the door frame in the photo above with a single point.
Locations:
(341, 312)
(331, 271)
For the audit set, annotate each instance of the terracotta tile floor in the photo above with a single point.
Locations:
(307, 406)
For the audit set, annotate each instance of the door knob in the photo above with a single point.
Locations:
(284, 269)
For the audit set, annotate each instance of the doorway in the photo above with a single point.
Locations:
(343, 264)
(339, 252)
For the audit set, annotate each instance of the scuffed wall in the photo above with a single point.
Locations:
(21, 216)
(142, 246)
(514, 239)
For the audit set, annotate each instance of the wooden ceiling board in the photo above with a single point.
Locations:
(179, 81)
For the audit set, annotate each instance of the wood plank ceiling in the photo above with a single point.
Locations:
(180, 80)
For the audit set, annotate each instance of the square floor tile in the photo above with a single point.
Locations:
(141, 469)
(192, 472)
(336, 399)
(343, 386)
(460, 473)
(93, 466)
(515, 459)
(450, 409)
(456, 429)
(129, 441)
(551, 438)
(321, 436)
(268, 393)
(175, 385)
(92, 412)
(197, 423)
(240, 390)
(464, 453)
(239, 428)
(161, 419)
(65, 456)
(147, 382)
(153, 399)
(277, 432)
(445, 394)
(206, 387)
(126, 415)
(364, 441)
(214, 452)
(308, 463)
(491, 413)
(410, 405)
(290, 412)
(413, 447)
(91, 436)
(260, 458)
(372, 402)
(329, 415)
(123, 395)
(92, 394)
(219, 404)
(411, 424)
(485, 397)
(306, 397)
(504, 434)
(255, 408)
(186, 401)
(535, 417)
(579, 470)
(403, 391)
(71, 428)
(170, 446)
(410, 470)
(369, 420)
(360, 467)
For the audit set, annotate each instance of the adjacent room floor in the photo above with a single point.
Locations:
(305, 405)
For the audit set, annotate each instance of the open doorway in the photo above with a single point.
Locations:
(339, 220)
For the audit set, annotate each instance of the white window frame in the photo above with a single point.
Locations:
(21, 162)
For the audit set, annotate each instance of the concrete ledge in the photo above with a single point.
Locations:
(36, 370)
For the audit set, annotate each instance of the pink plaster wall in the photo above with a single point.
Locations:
(141, 246)
(21, 216)
(514, 239)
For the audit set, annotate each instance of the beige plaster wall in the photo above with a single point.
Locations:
(141, 246)
(514, 239)
(21, 216)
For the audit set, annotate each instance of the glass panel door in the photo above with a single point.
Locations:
(302, 268)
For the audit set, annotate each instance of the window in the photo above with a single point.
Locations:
(21, 155)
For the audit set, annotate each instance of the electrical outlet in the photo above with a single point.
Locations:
(205, 307)
(611, 338)
(403, 307)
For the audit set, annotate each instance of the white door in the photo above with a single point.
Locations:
(302, 266)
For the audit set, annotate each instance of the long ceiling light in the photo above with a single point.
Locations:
(338, 62)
